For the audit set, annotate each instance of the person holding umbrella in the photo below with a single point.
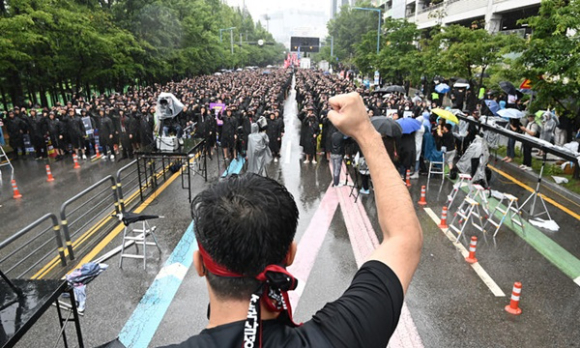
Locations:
(532, 129)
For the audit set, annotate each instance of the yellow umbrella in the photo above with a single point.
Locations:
(448, 115)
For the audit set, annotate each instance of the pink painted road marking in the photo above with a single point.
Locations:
(311, 242)
(364, 241)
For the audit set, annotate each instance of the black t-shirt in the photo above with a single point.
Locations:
(366, 315)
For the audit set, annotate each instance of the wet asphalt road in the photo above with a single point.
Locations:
(450, 304)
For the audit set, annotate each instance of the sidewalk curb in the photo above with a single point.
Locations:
(531, 178)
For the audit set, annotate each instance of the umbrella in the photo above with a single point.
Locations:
(395, 89)
(409, 125)
(448, 115)
(507, 87)
(461, 83)
(387, 126)
(492, 105)
(379, 90)
(168, 106)
(442, 88)
(511, 113)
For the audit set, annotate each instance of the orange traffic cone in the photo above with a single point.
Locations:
(423, 200)
(77, 166)
(472, 246)
(98, 154)
(408, 181)
(443, 223)
(15, 189)
(514, 306)
(49, 174)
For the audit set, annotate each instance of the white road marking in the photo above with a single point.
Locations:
(487, 280)
(288, 152)
(577, 281)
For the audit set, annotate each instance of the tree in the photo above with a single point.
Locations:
(56, 48)
(398, 60)
(462, 52)
(550, 57)
(348, 29)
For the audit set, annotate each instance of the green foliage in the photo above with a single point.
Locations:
(398, 59)
(66, 46)
(550, 57)
(460, 51)
(348, 28)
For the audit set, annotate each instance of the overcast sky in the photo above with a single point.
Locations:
(258, 8)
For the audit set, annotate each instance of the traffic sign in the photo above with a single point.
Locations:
(527, 84)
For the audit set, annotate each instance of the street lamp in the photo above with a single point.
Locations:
(231, 37)
(379, 27)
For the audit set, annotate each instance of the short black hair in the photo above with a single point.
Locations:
(244, 223)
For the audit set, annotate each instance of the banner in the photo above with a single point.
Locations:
(218, 109)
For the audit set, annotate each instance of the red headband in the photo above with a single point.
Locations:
(275, 280)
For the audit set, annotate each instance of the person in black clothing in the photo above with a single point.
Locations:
(76, 133)
(228, 137)
(37, 131)
(15, 127)
(243, 254)
(275, 132)
(54, 131)
(336, 155)
(106, 133)
(308, 134)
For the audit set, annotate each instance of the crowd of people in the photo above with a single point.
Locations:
(223, 108)
(218, 108)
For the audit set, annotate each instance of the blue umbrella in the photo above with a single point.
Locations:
(511, 113)
(409, 125)
(493, 106)
(442, 88)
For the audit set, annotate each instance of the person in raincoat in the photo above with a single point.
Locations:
(474, 161)
(258, 154)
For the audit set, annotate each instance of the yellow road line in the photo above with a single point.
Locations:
(546, 198)
(97, 249)
(79, 241)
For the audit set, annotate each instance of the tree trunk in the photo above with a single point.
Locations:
(3, 95)
(43, 99)
(61, 87)
(16, 91)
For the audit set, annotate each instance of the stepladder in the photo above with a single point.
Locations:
(5, 162)
(463, 179)
(468, 212)
(138, 236)
(512, 207)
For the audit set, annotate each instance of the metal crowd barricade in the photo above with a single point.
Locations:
(23, 260)
(79, 214)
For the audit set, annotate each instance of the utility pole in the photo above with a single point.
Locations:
(232, 40)
(267, 18)
(331, 46)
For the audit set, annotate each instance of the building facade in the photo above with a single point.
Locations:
(493, 15)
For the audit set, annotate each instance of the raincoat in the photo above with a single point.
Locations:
(477, 152)
(259, 153)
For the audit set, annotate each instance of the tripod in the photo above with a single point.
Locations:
(536, 194)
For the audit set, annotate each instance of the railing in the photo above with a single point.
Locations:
(77, 220)
(431, 7)
(85, 219)
(22, 258)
